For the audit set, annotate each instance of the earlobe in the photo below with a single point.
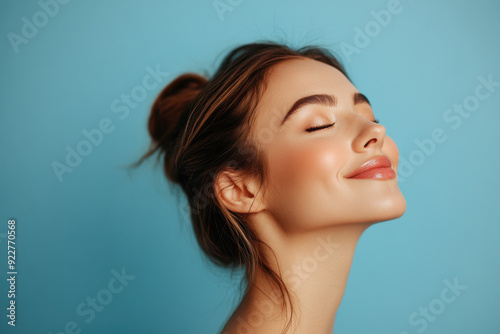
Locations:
(236, 191)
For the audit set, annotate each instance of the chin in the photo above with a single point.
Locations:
(382, 208)
(390, 208)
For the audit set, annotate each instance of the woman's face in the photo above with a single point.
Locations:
(309, 182)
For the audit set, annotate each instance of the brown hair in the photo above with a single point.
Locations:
(201, 127)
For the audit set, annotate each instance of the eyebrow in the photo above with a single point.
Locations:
(324, 100)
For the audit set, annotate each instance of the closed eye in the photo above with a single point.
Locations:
(320, 127)
(315, 128)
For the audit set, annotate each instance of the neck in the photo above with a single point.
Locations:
(314, 267)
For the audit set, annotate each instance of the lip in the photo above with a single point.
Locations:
(377, 168)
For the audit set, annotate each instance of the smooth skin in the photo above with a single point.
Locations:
(309, 212)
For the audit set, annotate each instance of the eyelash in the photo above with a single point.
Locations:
(320, 127)
(315, 128)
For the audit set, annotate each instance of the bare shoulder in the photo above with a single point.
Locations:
(250, 324)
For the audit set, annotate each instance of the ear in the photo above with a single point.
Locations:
(238, 192)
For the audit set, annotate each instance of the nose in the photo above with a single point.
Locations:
(370, 135)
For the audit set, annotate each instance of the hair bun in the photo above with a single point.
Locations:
(170, 104)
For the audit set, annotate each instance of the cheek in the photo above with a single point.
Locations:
(391, 150)
(307, 168)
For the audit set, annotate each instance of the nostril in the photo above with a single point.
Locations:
(368, 143)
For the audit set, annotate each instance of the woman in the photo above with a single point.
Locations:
(284, 166)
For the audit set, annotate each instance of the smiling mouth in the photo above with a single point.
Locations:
(376, 168)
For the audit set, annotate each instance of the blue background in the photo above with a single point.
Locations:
(72, 234)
